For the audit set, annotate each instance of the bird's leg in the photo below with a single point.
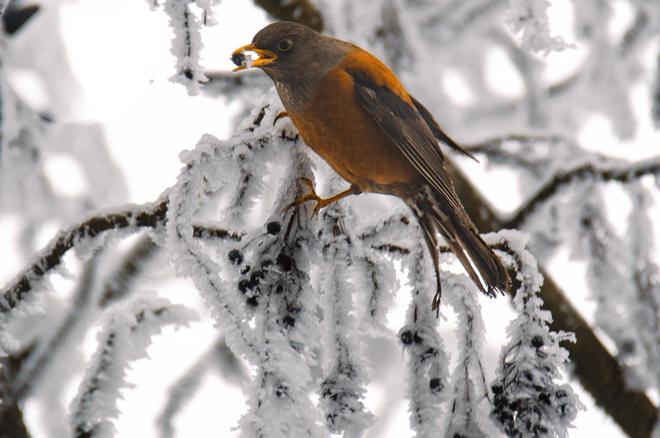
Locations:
(320, 202)
(280, 115)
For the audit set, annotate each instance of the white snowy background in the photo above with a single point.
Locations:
(115, 67)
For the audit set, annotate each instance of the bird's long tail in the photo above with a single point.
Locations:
(478, 259)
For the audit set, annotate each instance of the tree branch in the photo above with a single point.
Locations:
(150, 215)
(596, 369)
(300, 11)
(584, 172)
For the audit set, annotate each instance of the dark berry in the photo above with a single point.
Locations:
(188, 73)
(238, 59)
(273, 227)
(245, 269)
(406, 337)
(417, 339)
(280, 392)
(537, 341)
(245, 285)
(256, 276)
(235, 257)
(544, 397)
(288, 321)
(285, 262)
(497, 389)
(252, 301)
(436, 384)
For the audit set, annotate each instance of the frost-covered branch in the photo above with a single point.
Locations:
(428, 375)
(342, 389)
(149, 215)
(219, 357)
(45, 352)
(632, 410)
(583, 173)
(469, 387)
(124, 338)
(529, 399)
(187, 41)
(120, 280)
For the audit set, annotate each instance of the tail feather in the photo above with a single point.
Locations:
(480, 262)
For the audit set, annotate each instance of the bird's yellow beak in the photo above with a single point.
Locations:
(244, 62)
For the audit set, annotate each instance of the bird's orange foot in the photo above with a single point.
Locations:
(321, 202)
(280, 116)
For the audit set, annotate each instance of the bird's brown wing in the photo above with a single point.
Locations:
(437, 131)
(407, 129)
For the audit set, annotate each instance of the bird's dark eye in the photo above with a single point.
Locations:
(284, 44)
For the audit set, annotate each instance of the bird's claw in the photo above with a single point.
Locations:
(280, 115)
(320, 202)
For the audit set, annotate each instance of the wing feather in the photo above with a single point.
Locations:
(408, 130)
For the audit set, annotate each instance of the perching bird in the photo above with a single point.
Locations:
(353, 111)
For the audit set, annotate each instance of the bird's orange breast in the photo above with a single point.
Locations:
(338, 129)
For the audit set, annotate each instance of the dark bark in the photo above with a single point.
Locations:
(300, 11)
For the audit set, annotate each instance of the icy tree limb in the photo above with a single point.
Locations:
(182, 391)
(428, 375)
(125, 338)
(468, 378)
(529, 396)
(342, 389)
(45, 351)
(596, 369)
(585, 172)
(119, 282)
(151, 215)
(300, 11)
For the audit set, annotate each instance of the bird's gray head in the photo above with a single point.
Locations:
(290, 52)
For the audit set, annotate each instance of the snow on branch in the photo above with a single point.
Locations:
(468, 378)
(344, 375)
(643, 360)
(121, 279)
(529, 398)
(274, 279)
(219, 357)
(187, 41)
(585, 172)
(529, 20)
(428, 375)
(124, 338)
(150, 215)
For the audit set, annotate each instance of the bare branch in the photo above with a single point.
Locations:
(300, 11)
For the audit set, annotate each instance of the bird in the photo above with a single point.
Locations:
(353, 111)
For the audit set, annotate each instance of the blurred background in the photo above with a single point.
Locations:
(91, 119)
